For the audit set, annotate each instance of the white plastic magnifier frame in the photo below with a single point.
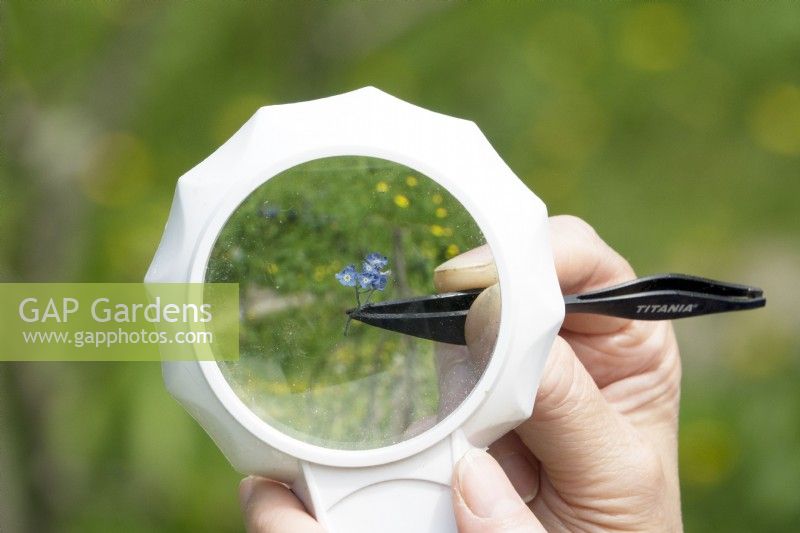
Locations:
(353, 490)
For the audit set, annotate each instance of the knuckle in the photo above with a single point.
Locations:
(602, 257)
(646, 473)
(573, 221)
(651, 468)
(578, 226)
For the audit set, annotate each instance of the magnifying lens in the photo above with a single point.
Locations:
(322, 208)
(316, 239)
(354, 385)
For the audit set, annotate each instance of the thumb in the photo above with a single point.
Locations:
(473, 269)
(484, 499)
(482, 326)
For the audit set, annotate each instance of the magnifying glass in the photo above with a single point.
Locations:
(354, 385)
(364, 426)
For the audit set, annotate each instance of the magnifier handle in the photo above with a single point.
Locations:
(408, 495)
(666, 297)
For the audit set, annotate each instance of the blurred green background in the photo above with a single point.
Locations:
(673, 128)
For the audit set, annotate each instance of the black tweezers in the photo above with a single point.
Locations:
(441, 317)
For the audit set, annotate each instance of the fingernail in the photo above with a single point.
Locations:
(475, 258)
(484, 487)
(246, 487)
(469, 270)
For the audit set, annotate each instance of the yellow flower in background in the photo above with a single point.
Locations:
(437, 198)
(401, 201)
(319, 273)
(708, 452)
(277, 389)
(655, 36)
(775, 119)
(452, 251)
(272, 268)
(441, 231)
(411, 181)
(441, 212)
(344, 355)
(382, 186)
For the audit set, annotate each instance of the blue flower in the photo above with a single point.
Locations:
(368, 268)
(347, 276)
(371, 268)
(376, 260)
(365, 280)
(269, 212)
(379, 281)
(373, 280)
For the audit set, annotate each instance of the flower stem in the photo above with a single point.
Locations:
(369, 295)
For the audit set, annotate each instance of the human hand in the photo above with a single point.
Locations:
(599, 452)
